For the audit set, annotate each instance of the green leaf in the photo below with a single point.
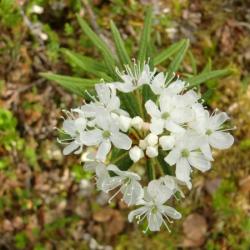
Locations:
(193, 62)
(168, 52)
(145, 37)
(74, 84)
(121, 159)
(119, 44)
(130, 103)
(176, 62)
(203, 77)
(100, 44)
(87, 64)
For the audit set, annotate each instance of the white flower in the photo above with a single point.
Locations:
(143, 144)
(169, 115)
(106, 133)
(133, 78)
(152, 151)
(158, 85)
(186, 154)
(128, 183)
(210, 128)
(135, 153)
(153, 208)
(75, 128)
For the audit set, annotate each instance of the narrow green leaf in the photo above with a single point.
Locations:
(208, 66)
(193, 62)
(176, 62)
(168, 52)
(145, 37)
(130, 103)
(100, 44)
(119, 44)
(203, 77)
(73, 84)
(87, 64)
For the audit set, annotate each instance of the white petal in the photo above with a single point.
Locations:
(206, 150)
(198, 161)
(91, 137)
(182, 115)
(124, 123)
(175, 87)
(167, 142)
(152, 139)
(217, 120)
(125, 87)
(103, 92)
(173, 127)
(221, 140)
(137, 212)
(152, 109)
(103, 150)
(157, 126)
(69, 127)
(173, 156)
(183, 170)
(171, 212)
(70, 148)
(158, 83)
(155, 221)
(132, 193)
(121, 140)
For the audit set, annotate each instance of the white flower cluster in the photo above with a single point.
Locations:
(177, 124)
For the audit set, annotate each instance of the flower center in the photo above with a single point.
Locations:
(106, 134)
(185, 153)
(154, 210)
(209, 132)
(165, 115)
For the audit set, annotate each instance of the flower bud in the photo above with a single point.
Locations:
(137, 122)
(124, 123)
(152, 139)
(136, 153)
(152, 152)
(143, 144)
(167, 142)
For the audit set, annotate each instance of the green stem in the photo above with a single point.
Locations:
(150, 169)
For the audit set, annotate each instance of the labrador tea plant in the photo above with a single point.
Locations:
(139, 116)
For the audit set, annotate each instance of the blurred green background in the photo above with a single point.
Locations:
(48, 201)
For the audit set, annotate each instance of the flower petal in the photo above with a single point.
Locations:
(217, 120)
(183, 170)
(103, 150)
(173, 156)
(221, 140)
(121, 140)
(91, 137)
(171, 212)
(132, 193)
(158, 83)
(137, 212)
(154, 221)
(70, 148)
(197, 160)
(152, 109)
(156, 126)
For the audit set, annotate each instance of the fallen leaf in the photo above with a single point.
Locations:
(195, 229)
(245, 185)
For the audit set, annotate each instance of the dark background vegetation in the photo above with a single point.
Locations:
(47, 201)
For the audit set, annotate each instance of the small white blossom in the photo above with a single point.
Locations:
(137, 122)
(135, 153)
(152, 151)
(152, 139)
(167, 142)
(153, 208)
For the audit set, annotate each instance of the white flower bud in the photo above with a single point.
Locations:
(136, 153)
(167, 142)
(137, 122)
(152, 139)
(124, 123)
(143, 144)
(152, 152)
